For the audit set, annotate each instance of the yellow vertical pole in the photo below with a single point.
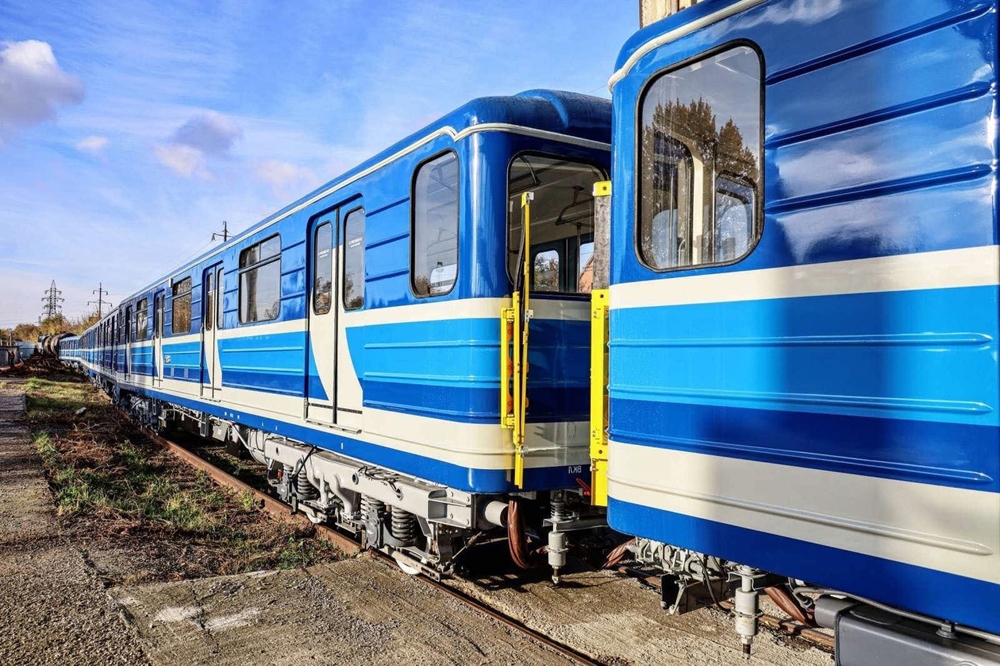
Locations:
(599, 296)
(523, 316)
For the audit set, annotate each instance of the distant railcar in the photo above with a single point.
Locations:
(804, 308)
(351, 341)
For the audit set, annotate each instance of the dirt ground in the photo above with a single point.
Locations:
(111, 552)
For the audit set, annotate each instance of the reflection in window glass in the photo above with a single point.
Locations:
(141, 319)
(180, 307)
(562, 214)
(434, 265)
(734, 204)
(545, 271)
(209, 317)
(219, 297)
(354, 260)
(323, 268)
(158, 316)
(260, 281)
(700, 154)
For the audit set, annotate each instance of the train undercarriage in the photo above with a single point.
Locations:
(423, 526)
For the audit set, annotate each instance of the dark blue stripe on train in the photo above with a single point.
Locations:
(451, 369)
(430, 469)
(273, 362)
(946, 454)
(960, 599)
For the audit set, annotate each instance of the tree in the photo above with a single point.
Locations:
(679, 136)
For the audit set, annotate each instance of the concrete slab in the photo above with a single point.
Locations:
(52, 609)
(357, 611)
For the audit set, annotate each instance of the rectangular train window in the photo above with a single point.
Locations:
(141, 319)
(208, 318)
(260, 281)
(322, 268)
(158, 315)
(562, 222)
(180, 307)
(700, 162)
(354, 259)
(434, 249)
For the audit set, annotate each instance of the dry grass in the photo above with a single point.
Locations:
(115, 487)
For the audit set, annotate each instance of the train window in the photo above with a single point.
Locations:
(562, 220)
(219, 284)
(158, 316)
(208, 318)
(434, 242)
(260, 281)
(323, 268)
(700, 152)
(180, 307)
(354, 259)
(545, 271)
(141, 319)
(585, 261)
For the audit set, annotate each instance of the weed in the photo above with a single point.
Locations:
(112, 482)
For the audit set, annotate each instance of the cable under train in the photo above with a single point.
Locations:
(747, 312)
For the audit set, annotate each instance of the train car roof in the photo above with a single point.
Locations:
(674, 27)
(581, 116)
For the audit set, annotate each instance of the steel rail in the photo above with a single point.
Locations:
(350, 546)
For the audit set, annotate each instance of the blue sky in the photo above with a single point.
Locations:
(130, 130)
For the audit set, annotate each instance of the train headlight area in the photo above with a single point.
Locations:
(746, 313)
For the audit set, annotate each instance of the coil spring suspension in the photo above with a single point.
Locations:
(371, 509)
(404, 525)
(557, 507)
(307, 491)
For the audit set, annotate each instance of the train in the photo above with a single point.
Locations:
(746, 313)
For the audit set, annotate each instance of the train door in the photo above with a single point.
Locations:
(211, 371)
(550, 264)
(350, 297)
(333, 390)
(158, 338)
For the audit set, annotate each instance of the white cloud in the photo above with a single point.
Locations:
(185, 160)
(205, 134)
(210, 132)
(286, 179)
(32, 86)
(93, 145)
(808, 12)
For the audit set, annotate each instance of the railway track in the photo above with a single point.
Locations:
(350, 546)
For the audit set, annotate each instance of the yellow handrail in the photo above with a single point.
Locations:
(599, 296)
(514, 352)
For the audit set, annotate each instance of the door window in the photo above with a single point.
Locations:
(322, 268)
(354, 260)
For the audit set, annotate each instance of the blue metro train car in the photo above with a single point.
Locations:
(804, 270)
(351, 341)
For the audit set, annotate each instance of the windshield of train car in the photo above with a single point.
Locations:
(562, 222)
(699, 151)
